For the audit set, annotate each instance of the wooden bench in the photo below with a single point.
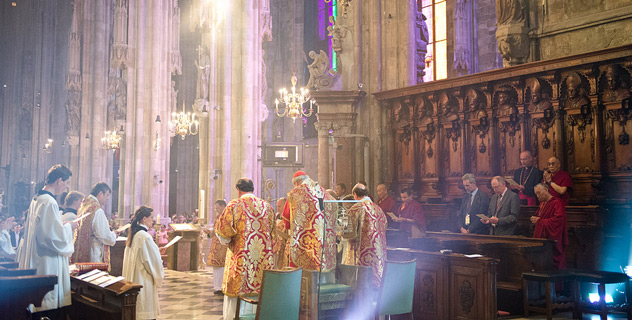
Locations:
(601, 278)
(549, 279)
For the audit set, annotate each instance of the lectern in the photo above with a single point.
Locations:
(183, 255)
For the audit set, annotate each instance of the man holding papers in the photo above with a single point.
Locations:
(503, 209)
(526, 178)
(474, 202)
(47, 242)
(93, 236)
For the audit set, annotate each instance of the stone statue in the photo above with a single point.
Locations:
(576, 94)
(72, 110)
(422, 37)
(336, 33)
(318, 68)
(120, 97)
(203, 65)
(615, 88)
(510, 11)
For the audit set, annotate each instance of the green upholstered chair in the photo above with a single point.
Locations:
(279, 298)
(396, 292)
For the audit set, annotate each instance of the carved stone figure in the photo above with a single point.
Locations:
(513, 47)
(576, 94)
(120, 96)
(203, 65)
(510, 11)
(337, 33)
(318, 68)
(73, 115)
(422, 38)
(615, 88)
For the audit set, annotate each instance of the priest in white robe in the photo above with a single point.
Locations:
(47, 243)
(142, 263)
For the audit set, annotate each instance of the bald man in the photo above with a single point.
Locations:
(527, 176)
(559, 181)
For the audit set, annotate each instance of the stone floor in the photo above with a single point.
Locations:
(189, 296)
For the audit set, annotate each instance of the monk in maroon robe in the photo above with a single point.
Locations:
(386, 203)
(550, 223)
(410, 214)
(559, 182)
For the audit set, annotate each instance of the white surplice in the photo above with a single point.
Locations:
(101, 235)
(6, 249)
(142, 264)
(46, 246)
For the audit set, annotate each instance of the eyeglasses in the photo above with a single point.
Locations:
(551, 163)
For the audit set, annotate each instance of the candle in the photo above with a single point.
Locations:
(158, 219)
(201, 205)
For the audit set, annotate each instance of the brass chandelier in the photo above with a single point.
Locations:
(183, 124)
(111, 140)
(294, 102)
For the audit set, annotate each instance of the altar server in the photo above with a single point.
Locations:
(142, 263)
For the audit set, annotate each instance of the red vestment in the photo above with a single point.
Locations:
(412, 210)
(387, 204)
(552, 225)
(562, 179)
(367, 238)
(306, 223)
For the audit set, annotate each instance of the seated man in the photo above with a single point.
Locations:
(503, 209)
(474, 202)
(410, 215)
(550, 223)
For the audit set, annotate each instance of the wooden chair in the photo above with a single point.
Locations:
(279, 298)
(397, 288)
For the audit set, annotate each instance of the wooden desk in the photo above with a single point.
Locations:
(117, 301)
(116, 258)
(16, 293)
(516, 254)
(183, 255)
(451, 286)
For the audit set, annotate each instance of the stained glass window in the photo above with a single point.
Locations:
(437, 56)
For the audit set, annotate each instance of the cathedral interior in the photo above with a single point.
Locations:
(171, 102)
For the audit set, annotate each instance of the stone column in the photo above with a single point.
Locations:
(337, 111)
(323, 153)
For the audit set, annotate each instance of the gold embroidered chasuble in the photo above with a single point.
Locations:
(367, 237)
(249, 224)
(82, 235)
(307, 222)
(217, 255)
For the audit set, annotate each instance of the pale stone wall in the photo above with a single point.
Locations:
(574, 27)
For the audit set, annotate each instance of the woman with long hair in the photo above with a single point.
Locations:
(142, 263)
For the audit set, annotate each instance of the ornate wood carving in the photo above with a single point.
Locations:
(577, 109)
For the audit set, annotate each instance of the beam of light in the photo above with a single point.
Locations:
(594, 297)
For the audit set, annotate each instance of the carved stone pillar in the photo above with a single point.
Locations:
(323, 153)
(512, 33)
(337, 110)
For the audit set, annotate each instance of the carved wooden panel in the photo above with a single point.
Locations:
(575, 108)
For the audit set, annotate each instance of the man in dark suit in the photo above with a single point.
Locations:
(16, 234)
(527, 177)
(503, 209)
(474, 202)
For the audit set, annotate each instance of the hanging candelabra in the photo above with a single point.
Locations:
(111, 140)
(183, 124)
(294, 102)
(48, 145)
